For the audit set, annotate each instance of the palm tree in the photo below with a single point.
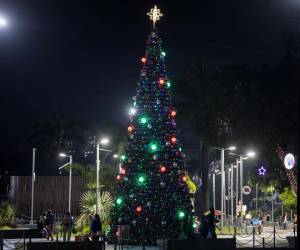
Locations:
(88, 207)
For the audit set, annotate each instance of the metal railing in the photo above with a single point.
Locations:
(273, 240)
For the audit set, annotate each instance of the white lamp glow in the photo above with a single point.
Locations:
(251, 154)
(104, 141)
(3, 22)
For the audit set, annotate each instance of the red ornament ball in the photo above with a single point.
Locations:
(173, 113)
(163, 169)
(173, 139)
(143, 60)
(161, 81)
(122, 171)
(130, 128)
(118, 177)
(138, 209)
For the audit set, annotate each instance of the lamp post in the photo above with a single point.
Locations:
(32, 185)
(103, 141)
(223, 182)
(70, 177)
(250, 154)
(214, 186)
(231, 192)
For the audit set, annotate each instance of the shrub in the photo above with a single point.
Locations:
(7, 214)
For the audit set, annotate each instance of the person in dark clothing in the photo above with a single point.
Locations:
(96, 228)
(50, 224)
(211, 223)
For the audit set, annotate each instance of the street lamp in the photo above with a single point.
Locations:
(3, 22)
(103, 141)
(223, 181)
(70, 176)
(248, 155)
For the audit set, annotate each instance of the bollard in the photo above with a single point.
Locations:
(253, 240)
(263, 243)
(274, 242)
(24, 240)
(56, 243)
(29, 241)
(103, 241)
(1, 241)
(115, 244)
(295, 241)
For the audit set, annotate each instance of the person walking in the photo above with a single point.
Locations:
(67, 225)
(96, 227)
(50, 224)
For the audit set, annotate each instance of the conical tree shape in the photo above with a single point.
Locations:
(152, 196)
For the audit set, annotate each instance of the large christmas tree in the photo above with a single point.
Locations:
(152, 196)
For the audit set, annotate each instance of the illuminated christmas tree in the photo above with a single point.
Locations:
(152, 196)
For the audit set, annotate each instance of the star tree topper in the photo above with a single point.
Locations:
(155, 15)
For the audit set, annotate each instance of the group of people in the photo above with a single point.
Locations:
(46, 225)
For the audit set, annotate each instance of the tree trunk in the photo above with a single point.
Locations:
(204, 177)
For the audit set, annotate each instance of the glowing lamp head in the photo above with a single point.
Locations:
(104, 141)
(163, 169)
(232, 148)
(3, 22)
(62, 155)
(132, 111)
(251, 154)
(138, 209)
(161, 81)
(143, 60)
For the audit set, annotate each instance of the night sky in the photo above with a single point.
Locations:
(82, 58)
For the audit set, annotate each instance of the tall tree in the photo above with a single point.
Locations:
(204, 103)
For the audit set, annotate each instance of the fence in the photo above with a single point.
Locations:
(271, 240)
(25, 242)
(274, 239)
